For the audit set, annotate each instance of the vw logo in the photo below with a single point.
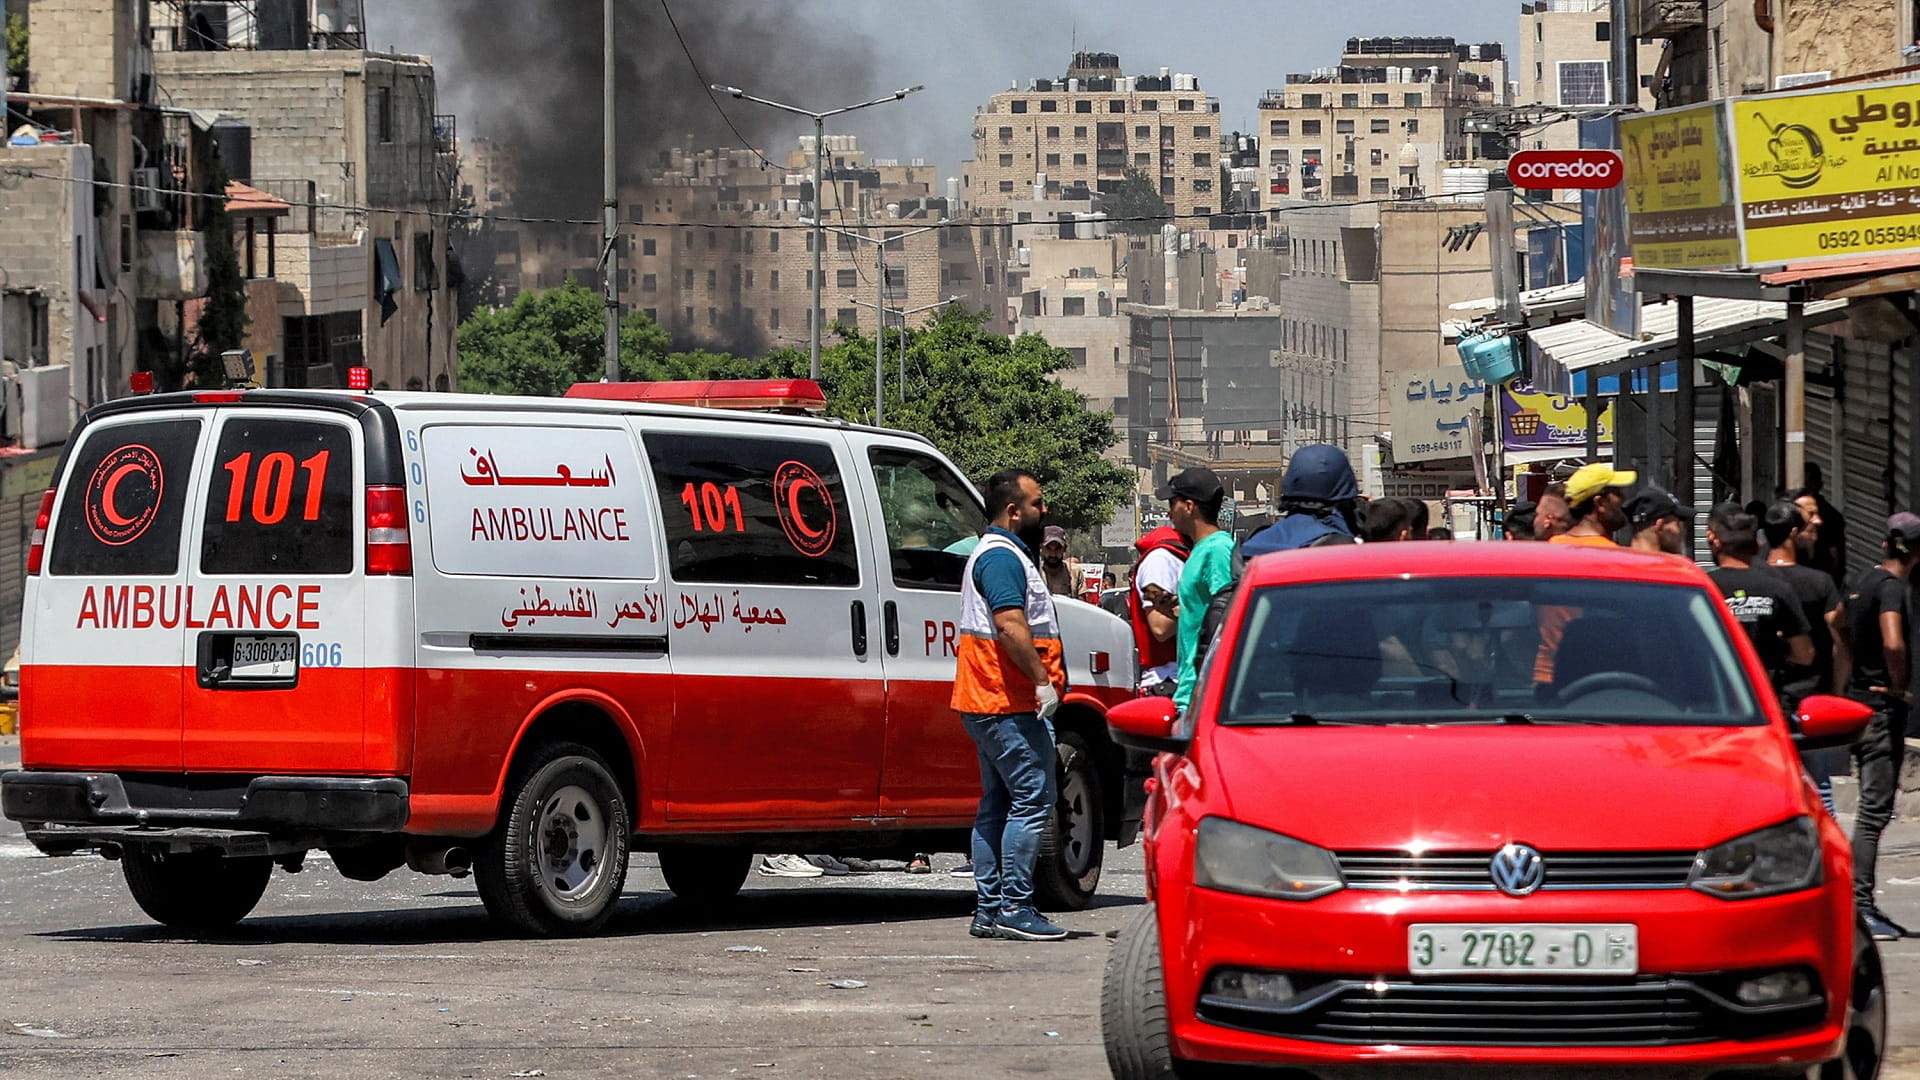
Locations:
(1517, 869)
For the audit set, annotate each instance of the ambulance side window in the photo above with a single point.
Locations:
(749, 511)
(932, 520)
(279, 499)
(125, 499)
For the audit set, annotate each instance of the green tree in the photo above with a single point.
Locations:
(17, 38)
(544, 342)
(1137, 207)
(223, 321)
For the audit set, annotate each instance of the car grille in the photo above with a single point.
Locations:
(1467, 871)
(1643, 1012)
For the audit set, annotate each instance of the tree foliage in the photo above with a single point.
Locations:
(984, 399)
(1137, 207)
(17, 40)
(223, 322)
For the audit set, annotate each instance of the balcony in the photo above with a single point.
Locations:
(1668, 18)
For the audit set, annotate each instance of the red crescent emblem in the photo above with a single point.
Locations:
(106, 496)
(109, 498)
(790, 481)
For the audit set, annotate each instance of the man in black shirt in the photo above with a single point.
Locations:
(1758, 597)
(1878, 620)
(1789, 546)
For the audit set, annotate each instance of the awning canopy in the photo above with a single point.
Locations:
(1718, 323)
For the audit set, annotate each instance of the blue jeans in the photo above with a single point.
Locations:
(1017, 793)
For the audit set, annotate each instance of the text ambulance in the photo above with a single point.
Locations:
(517, 637)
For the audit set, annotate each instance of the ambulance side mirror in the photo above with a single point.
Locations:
(1146, 723)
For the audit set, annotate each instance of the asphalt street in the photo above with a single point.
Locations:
(406, 977)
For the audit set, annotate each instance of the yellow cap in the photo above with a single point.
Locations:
(1591, 480)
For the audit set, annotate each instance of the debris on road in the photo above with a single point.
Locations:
(529, 1072)
(49, 1033)
(746, 948)
(845, 984)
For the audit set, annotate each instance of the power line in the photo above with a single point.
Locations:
(707, 88)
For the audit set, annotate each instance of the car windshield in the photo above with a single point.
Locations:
(1485, 650)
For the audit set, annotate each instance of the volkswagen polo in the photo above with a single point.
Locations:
(1457, 813)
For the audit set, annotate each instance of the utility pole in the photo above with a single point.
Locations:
(819, 242)
(1626, 55)
(610, 206)
(880, 331)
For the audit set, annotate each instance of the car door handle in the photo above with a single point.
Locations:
(859, 628)
(890, 616)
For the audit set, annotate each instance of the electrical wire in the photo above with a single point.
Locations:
(706, 87)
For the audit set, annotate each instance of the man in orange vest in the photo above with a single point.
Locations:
(1006, 686)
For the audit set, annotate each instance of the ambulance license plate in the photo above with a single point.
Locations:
(256, 658)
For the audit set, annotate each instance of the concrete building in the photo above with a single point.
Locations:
(489, 175)
(1383, 123)
(1088, 129)
(1565, 59)
(1072, 295)
(352, 141)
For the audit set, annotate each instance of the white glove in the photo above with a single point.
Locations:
(1048, 699)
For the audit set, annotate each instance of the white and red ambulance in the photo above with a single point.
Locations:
(517, 637)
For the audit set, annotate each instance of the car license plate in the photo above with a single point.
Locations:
(1529, 948)
(265, 658)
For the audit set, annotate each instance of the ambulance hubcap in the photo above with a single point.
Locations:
(571, 842)
(1077, 819)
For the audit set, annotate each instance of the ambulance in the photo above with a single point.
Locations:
(519, 638)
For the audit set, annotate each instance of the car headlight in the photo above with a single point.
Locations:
(1239, 858)
(1780, 859)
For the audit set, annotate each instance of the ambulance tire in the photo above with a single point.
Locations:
(1074, 844)
(198, 891)
(703, 876)
(556, 864)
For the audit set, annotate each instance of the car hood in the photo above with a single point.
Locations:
(1473, 788)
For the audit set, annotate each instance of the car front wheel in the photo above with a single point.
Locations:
(1865, 1044)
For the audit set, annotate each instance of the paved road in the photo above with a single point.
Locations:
(405, 977)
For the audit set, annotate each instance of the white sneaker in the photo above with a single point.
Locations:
(829, 865)
(788, 866)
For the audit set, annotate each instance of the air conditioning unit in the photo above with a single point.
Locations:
(146, 190)
(42, 405)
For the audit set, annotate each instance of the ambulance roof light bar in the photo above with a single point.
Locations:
(775, 395)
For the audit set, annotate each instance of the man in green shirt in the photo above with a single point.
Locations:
(1193, 499)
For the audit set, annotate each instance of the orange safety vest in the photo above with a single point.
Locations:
(986, 680)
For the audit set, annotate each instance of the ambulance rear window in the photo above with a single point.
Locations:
(124, 500)
(279, 499)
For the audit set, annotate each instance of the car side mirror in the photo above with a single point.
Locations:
(1826, 721)
(1146, 723)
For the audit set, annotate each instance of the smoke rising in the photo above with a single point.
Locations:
(532, 80)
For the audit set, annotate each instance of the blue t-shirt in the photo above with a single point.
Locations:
(999, 575)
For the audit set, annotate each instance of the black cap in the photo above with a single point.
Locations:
(1197, 483)
(1650, 504)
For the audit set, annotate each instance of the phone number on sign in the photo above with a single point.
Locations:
(1880, 236)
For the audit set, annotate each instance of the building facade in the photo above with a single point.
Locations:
(1565, 59)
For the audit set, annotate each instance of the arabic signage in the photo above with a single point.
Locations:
(498, 493)
(1536, 421)
(1680, 203)
(1432, 412)
(1555, 169)
(1828, 174)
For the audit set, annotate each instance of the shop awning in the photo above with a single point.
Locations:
(1718, 323)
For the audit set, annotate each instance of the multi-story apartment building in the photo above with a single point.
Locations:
(1089, 128)
(1565, 60)
(351, 139)
(489, 174)
(1385, 122)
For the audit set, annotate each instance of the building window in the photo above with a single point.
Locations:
(846, 279)
(1202, 211)
(1203, 131)
(1379, 99)
(1143, 131)
(1053, 132)
(749, 277)
(1006, 134)
(847, 316)
(1117, 105)
(385, 117)
(1310, 101)
(649, 283)
(1309, 127)
(773, 241)
(773, 318)
(1053, 162)
(1375, 156)
(1349, 101)
(1007, 185)
(653, 315)
(1186, 104)
(1144, 161)
(1413, 127)
(649, 246)
(1582, 82)
(1075, 305)
(1006, 161)
(1378, 185)
(1603, 31)
(1080, 132)
(1166, 185)
(1017, 106)
(1279, 129)
(1415, 101)
(1379, 125)
(1539, 71)
(773, 279)
(1078, 356)
(713, 240)
(1203, 160)
(686, 316)
(1049, 105)
(1079, 159)
(845, 242)
(1203, 185)
(713, 280)
(1083, 106)
(1343, 127)
(686, 239)
(713, 316)
(686, 280)
(1149, 106)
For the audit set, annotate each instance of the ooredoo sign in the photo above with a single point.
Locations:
(1565, 169)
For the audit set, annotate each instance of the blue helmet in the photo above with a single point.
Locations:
(1319, 471)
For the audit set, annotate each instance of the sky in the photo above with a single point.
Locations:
(966, 50)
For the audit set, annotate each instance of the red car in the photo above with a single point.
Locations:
(1458, 805)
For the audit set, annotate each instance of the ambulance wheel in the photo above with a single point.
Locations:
(557, 862)
(197, 891)
(704, 875)
(1071, 850)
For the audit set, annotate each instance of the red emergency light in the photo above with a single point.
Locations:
(140, 382)
(781, 395)
(359, 378)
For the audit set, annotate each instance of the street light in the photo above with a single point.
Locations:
(903, 313)
(880, 293)
(819, 207)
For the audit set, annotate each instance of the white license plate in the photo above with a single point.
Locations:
(1523, 949)
(265, 658)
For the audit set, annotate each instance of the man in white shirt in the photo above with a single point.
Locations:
(1155, 608)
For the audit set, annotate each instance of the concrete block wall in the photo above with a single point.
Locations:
(319, 278)
(43, 220)
(83, 48)
(297, 104)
